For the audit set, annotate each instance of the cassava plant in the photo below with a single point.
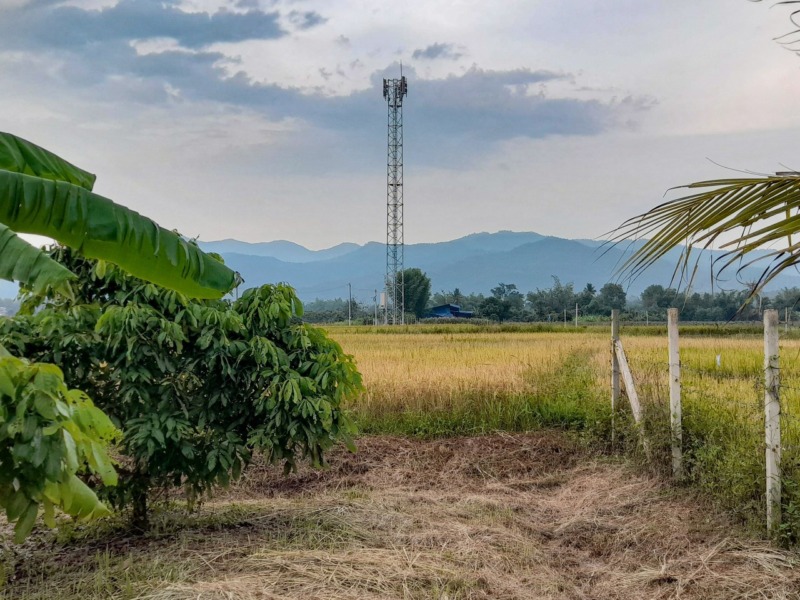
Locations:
(49, 433)
(195, 386)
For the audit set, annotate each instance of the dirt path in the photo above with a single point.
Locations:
(505, 516)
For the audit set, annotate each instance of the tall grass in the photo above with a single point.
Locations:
(431, 380)
(723, 419)
(471, 383)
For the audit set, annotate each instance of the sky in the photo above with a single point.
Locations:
(264, 119)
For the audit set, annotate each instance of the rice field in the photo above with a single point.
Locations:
(427, 381)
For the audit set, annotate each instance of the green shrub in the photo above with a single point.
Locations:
(47, 433)
(195, 386)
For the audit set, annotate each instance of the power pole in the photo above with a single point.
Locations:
(375, 299)
(349, 304)
(394, 90)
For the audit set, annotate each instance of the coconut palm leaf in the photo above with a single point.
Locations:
(99, 228)
(21, 156)
(19, 261)
(737, 215)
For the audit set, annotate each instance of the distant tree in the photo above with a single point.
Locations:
(586, 296)
(472, 301)
(656, 297)
(508, 293)
(495, 309)
(439, 298)
(335, 311)
(612, 295)
(466, 302)
(786, 298)
(416, 290)
(505, 302)
(546, 303)
(503, 290)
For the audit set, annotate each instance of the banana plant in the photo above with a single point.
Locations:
(40, 193)
(49, 433)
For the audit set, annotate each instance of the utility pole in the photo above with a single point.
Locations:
(349, 304)
(375, 300)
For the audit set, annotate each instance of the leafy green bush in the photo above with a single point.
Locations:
(47, 433)
(44, 194)
(195, 386)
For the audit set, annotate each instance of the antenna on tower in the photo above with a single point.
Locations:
(394, 90)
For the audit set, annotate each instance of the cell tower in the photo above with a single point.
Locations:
(394, 90)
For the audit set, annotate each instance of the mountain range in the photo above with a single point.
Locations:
(474, 264)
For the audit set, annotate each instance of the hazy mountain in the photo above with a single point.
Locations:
(474, 263)
(280, 249)
(478, 262)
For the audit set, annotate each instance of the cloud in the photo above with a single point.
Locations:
(450, 120)
(67, 27)
(435, 51)
(306, 20)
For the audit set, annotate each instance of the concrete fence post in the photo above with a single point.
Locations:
(772, 421)
(615, 373)
(675, 409)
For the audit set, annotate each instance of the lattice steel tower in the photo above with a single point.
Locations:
(394, 90)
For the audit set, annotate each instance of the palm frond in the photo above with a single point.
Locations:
(760, 212)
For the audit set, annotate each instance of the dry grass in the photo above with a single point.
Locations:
(434, 371)
(501, 517)
(434, 382)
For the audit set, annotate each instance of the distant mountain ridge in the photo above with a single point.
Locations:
(280, 249)
(474, 263)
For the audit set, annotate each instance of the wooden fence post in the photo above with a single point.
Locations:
(675, 409)
(615, 387)
(772, 421)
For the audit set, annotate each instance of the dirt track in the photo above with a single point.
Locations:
(533, 516)
(497, 517)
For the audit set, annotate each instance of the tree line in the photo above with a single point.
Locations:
(506, 302)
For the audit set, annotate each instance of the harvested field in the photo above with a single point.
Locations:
(503, 516)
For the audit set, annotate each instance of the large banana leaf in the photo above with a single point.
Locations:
(740, 215)
(99, 228)
(19, 261)
(22, 156)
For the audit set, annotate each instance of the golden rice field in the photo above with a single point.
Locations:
(420, 371)
(428, 381)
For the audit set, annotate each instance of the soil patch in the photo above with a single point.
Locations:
(497, 517)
